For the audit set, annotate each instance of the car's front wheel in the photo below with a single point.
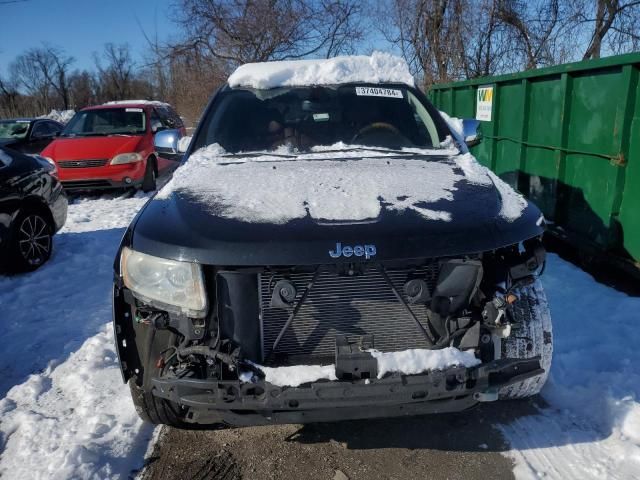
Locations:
(531, 336)
(149, 180)
(155, 410)
(31, 242)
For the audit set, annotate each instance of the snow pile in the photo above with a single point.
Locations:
(62, 116)
(318, 184)
(590, 428)
(67, 413)
(411, 362)
(378, 68)
(73, 421)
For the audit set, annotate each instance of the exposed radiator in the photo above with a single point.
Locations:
(346, 305)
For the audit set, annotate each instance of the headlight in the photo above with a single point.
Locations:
(126, 158)
(166, 284)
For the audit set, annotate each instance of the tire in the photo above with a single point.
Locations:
(31, 241)
(152, 409)
(531, 336)
(149, 180)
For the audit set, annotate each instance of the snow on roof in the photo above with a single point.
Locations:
(378, 68)
(137, 102)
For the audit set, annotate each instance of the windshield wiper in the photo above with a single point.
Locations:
(257, 154)
(368, 149)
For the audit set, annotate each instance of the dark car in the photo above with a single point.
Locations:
(32, 208)
(28, 135)
(329, 250)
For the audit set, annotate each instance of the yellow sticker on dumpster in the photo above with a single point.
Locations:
(484, 103)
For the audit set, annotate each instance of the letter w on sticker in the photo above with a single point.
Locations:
(378, 92)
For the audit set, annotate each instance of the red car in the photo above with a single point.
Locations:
(111, 146)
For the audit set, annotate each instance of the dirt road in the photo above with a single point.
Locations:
(456, 446)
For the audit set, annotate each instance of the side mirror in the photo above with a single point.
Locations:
(471, 131)
(166, 142)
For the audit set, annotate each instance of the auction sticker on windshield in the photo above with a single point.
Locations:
(378, 92)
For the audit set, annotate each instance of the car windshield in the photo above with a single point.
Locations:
(245, 120)
(107, 121)
(13, 129)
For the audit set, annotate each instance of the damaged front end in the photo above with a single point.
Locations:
(216, 366)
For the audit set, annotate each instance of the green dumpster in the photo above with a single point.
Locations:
(568, 137)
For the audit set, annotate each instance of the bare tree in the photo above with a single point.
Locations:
(44, 72)
(539, 27)
(115, 72)
(241, 31)
(428, 32)
(488, 43)
(82, 91)
(614, 21)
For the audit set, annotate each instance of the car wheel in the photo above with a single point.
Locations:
(156, 410)
(149, 181)
(32, 241)
(532, 336)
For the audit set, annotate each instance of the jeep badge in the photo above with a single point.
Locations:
(358, 250)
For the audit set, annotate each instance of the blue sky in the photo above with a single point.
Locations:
(81, 27)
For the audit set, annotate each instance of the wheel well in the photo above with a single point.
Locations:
(35, 205)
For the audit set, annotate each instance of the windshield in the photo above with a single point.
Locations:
(13, 129)
(107, 121)
(307, 117)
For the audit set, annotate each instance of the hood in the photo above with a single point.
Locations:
(293, 212)
(7, 142)
(78, 148)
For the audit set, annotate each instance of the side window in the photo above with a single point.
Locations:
(54, 127)
(156, 122)
(423, 120)
(40, 130)
(177, 121)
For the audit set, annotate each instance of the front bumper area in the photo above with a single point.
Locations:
(98, 184)
(244, 404)
(109, 176)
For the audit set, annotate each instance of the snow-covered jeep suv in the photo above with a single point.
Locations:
(329, 249)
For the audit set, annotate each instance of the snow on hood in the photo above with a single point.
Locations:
(378, 68)
(513, 203)
(333, 185)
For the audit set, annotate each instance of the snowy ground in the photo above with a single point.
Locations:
(66, 414)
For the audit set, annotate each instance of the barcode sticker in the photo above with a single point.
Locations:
(378, 92)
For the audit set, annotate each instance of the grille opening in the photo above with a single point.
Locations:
(338, 304)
